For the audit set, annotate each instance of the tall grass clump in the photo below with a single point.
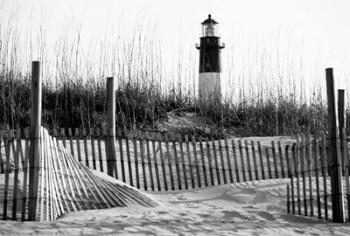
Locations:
(273, 116)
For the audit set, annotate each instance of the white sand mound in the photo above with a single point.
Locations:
(252, 208)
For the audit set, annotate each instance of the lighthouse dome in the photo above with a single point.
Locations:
(209, 21)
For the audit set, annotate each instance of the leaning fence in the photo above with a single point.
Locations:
(63, 184)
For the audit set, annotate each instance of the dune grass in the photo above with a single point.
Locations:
(74, 89)
(76, 105)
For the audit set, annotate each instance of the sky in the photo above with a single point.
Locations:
(297, 38)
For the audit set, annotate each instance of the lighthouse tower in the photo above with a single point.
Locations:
(209, 85)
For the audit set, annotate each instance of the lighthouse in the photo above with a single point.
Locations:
(209, 85)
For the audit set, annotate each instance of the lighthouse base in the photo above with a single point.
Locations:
(209, 86)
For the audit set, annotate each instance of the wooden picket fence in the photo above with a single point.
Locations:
(165, 162)
(309, 190)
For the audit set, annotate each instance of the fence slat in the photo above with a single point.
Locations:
(296, 164)
(235, 160)
(86, 151)
(194, 148)
(165, 181)
(58, 208)
(107, 141)
(183, 161)
(77, 139)
(99, 147)
(189, 159)
(262, 166)
(248, 160)
(93, 151)
(25, 163)
(134, 141)
(280, 154)
(2, 142)
(288, 199)
(52, 196)
(228, 160)
(45, 176)
(121, 153)
(209, 157)
(166, 139)
(288, 162)
(128, 156)
(7, 176)
(315, 160)
(177, 164)
(155, 164)
(302, 162)
(142, 151)
(274, 158)
(324, 166)
(203, 163)
(216, 161)
(242, 160)
(42, 177)
(309, 168)
(291, 176)
(267, 154)
(252, 144)
(222, 162)
(149, 160)
(70, 136)
(15, 178)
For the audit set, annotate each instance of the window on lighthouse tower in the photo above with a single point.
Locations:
(209, 31)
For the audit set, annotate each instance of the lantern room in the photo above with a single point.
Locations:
(209, 27)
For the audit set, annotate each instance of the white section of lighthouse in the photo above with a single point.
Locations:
(209, 84)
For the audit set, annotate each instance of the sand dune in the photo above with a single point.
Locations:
(251, 208)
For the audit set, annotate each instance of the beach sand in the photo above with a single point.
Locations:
(251, 208)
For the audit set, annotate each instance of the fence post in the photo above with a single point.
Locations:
(34, 152)
(334, 155)
(110, 139)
